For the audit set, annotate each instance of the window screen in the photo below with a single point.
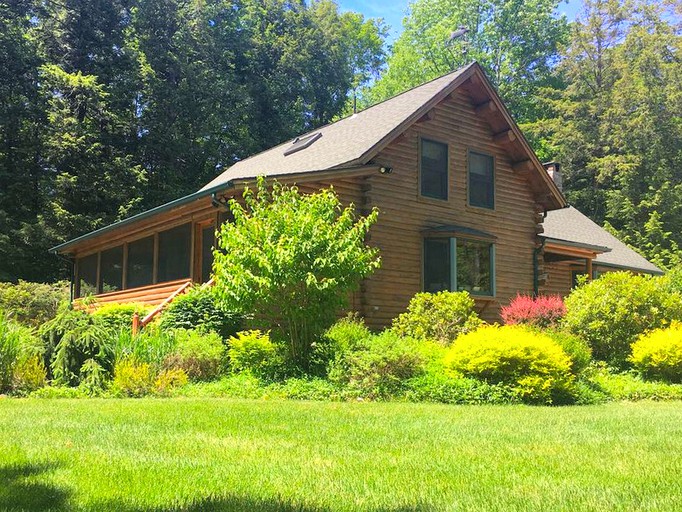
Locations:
(437, 267)
(481, 180)
(434, 169)
(474, 267)
(87, 275)
(174, 253)
(111, 272)
(140, 262)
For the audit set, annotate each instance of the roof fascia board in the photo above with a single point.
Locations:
(317, 175)
(600, 249)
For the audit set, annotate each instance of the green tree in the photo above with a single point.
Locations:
(516, 43)
(290, 261)
(616, 125)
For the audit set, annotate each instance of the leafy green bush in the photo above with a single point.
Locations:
(346, 334)
(292, 259)
(306, 389)
(132, 378)
(612, 311)
(240, 385)
(575, 347)
(626, 386)
(254, 352)
(73, 337)
(658, 354)
(531, 363)
(93, 378)
(448, 389)
(33, 304)
(380, 367)
(200, 308)
(170, 379)
(199, 354)
(52, 392)
(438, 317)
(119, 317)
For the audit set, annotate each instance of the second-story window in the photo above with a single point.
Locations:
(433, 169)
(481, 180)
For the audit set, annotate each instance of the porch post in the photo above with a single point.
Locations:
(588, 268)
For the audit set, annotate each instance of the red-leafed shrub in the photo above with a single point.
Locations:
(542, 311)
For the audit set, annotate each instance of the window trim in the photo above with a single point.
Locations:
(468, 178)
(453, 265)
(447, 170)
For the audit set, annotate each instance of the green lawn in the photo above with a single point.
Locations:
(214, 454)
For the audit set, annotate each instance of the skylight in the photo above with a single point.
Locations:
(300, 143)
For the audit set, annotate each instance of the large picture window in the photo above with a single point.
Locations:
(174, 253)
(481, 180)
(433, 169)
(458, 264)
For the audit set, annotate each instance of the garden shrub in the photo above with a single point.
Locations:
(438, 317)
(93, 378)
(612, 311)
(17, 343)
(344, 335)
(254, 352)
(73, 337)
(33, 304)
(170, 379)
(449, 389)
(132, 378)
(626, 386)
(240, 385)
(380, 367)
(29, 375)
(119, 317)
(199, 354)
(658, 354)
(201, 309)
(575, 347)
(535, 366)
(292, 260)
(306, 389)
(542, 311)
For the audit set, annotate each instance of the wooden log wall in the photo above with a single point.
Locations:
(404, 213)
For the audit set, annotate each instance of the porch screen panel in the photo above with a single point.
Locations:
(87, 275)
(207, 242)
(140, 262)
(175, 246)
(111, 271)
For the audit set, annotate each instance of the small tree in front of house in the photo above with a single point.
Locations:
(290, 261)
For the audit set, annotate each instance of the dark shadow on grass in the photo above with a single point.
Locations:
(246, 504)
(20, 491)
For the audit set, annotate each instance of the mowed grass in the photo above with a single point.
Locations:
(214, 454)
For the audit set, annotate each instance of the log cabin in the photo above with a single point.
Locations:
(464, 204)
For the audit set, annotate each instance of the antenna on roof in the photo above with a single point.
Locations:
(460, 33)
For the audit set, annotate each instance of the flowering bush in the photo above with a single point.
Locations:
(541, 311)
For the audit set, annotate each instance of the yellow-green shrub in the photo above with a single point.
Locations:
(254, 352)
(170, 379)
(29, 375)
(658, 354)
(534, 365)
(200, 354)
(132, 378)
(116, 317)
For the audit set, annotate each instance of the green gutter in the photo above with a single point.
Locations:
(140, 216)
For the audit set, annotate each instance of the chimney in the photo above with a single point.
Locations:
(554, 171)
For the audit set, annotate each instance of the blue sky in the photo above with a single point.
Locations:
(393, 11)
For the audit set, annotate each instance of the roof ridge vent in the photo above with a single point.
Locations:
(300, 143)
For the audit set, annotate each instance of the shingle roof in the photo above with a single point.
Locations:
(568, 224)
(345, 142)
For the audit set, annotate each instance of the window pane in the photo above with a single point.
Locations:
(87, 275)
(481, 180)
(111, 273)
(436, 264)
(474, 267)
(140, 262)
(174, 253)
(434, 169)
(207, 241)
